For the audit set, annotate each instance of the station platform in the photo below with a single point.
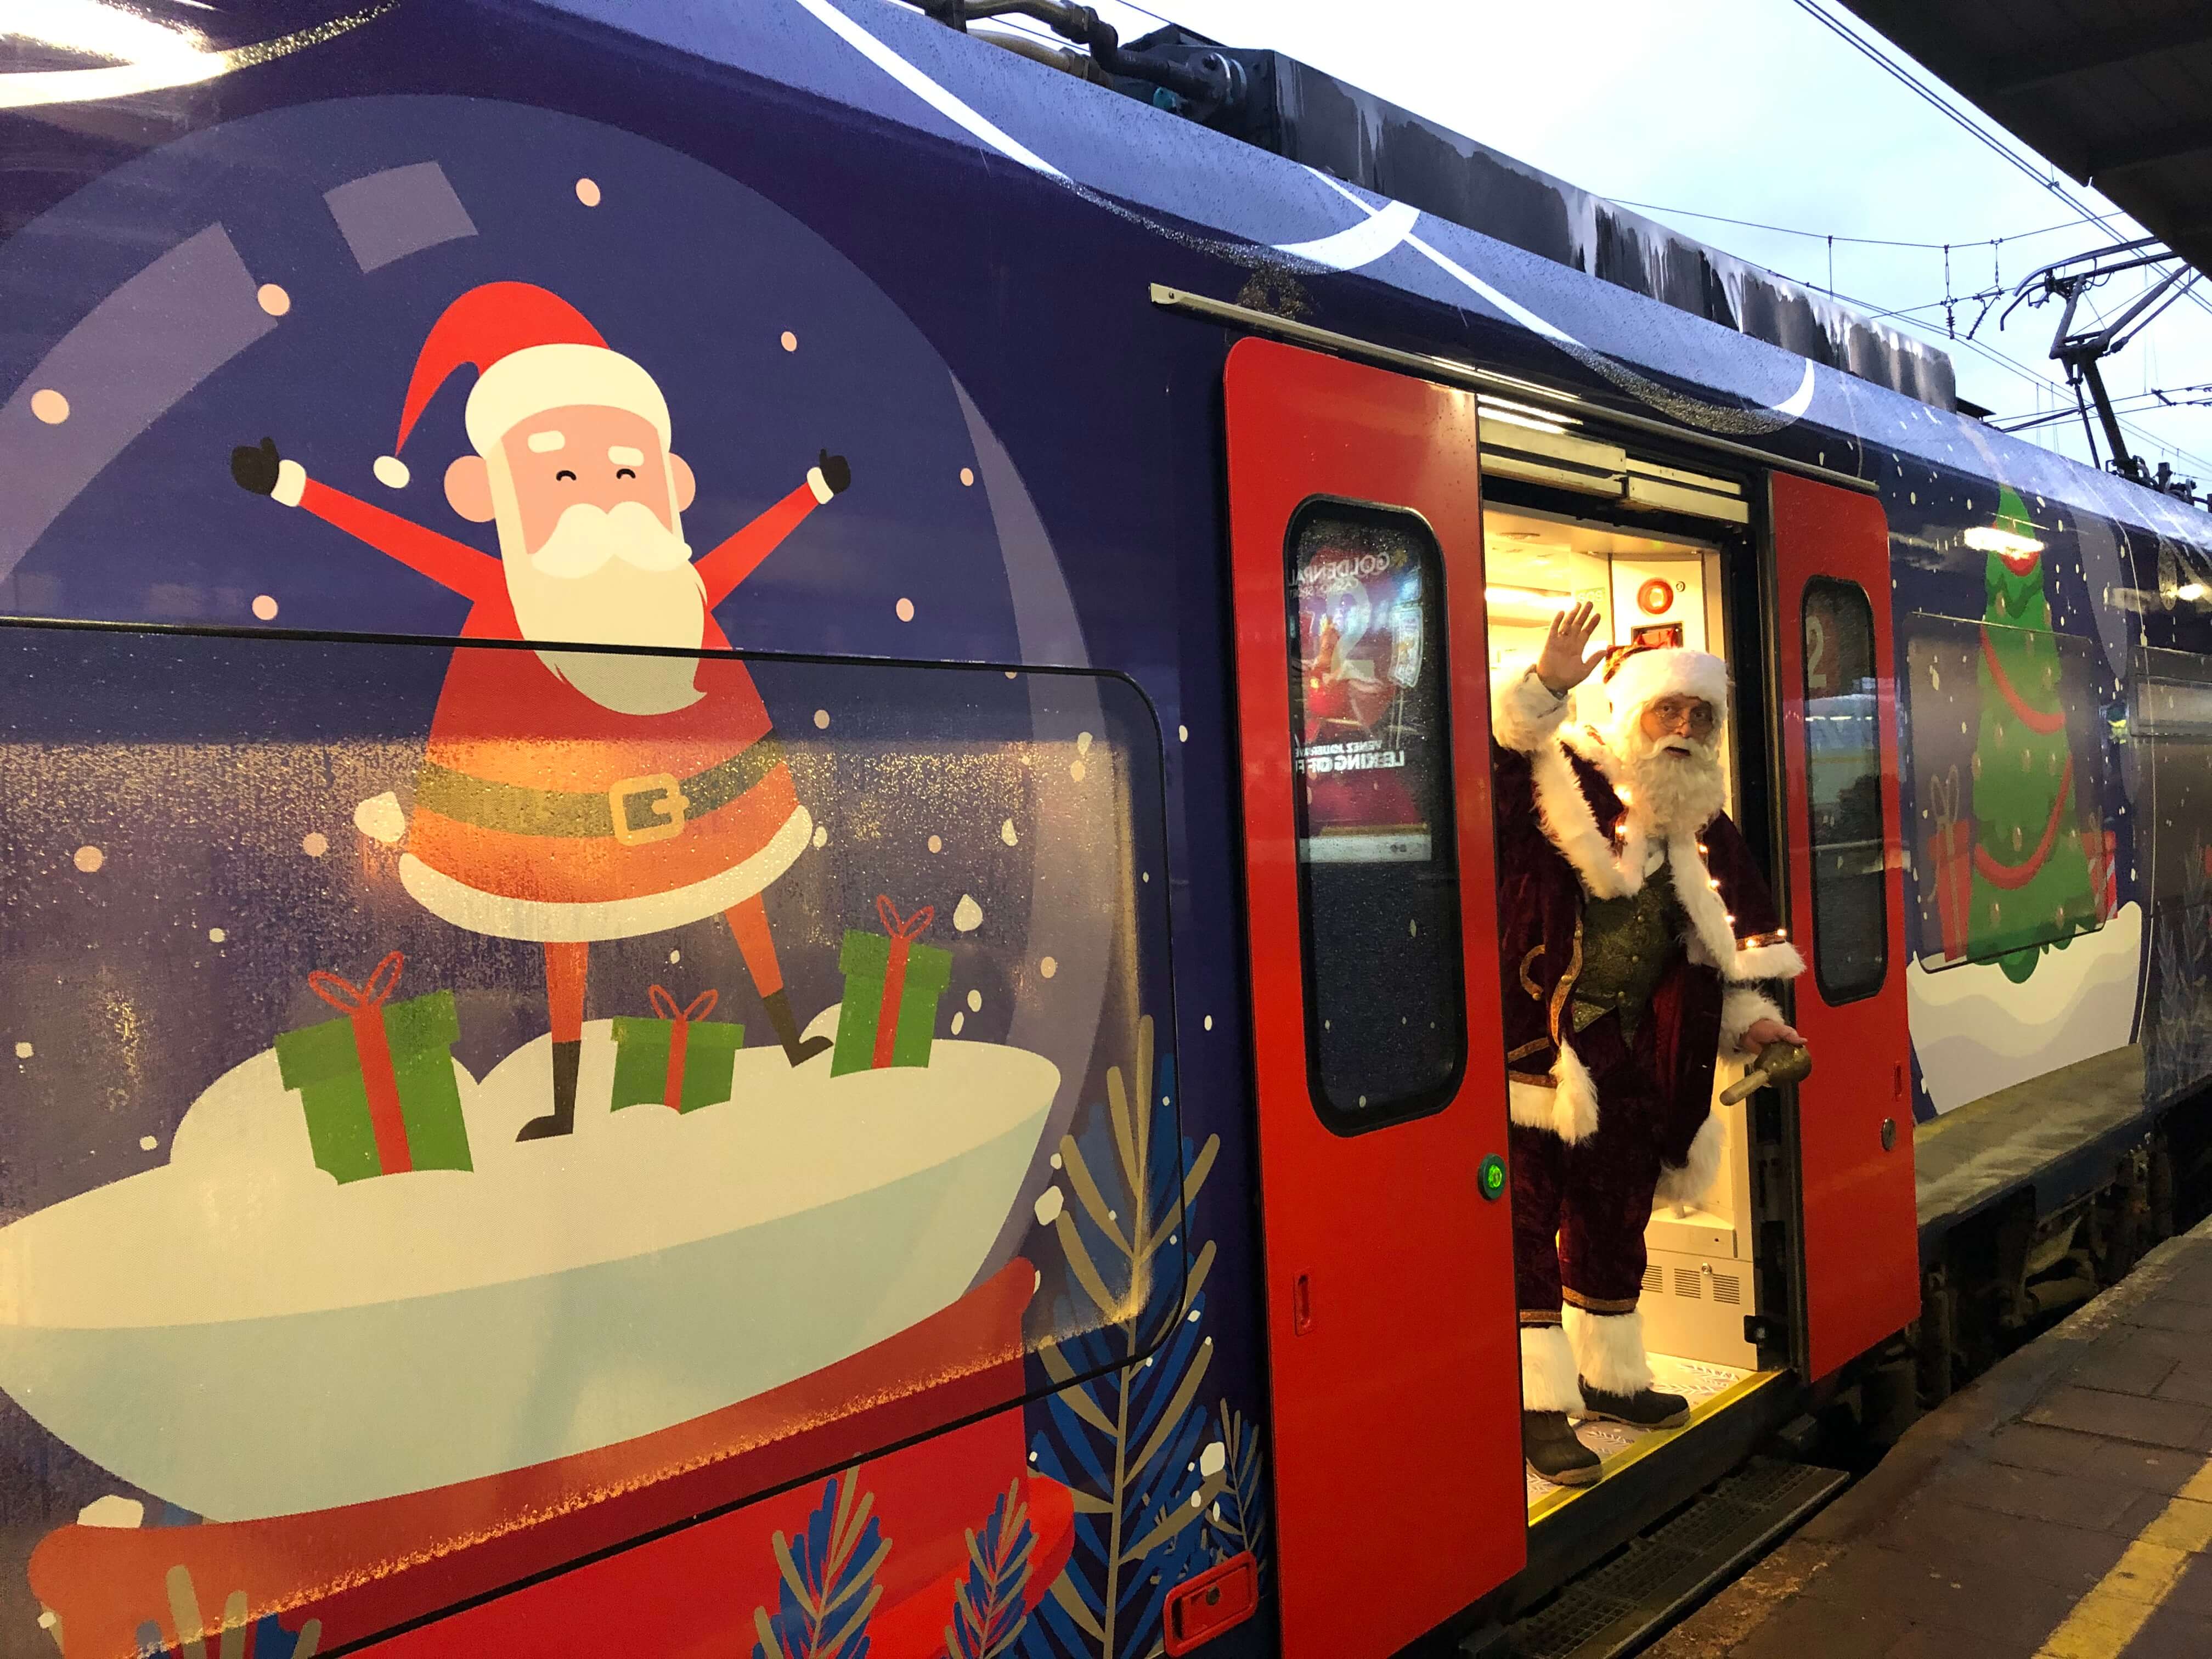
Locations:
(2058, 1508)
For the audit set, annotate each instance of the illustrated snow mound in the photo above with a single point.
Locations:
(1976, 1032)
(245, 1337)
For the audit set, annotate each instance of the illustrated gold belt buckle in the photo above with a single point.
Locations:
(668, 800)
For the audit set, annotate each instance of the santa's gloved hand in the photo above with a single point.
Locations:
(836, 472)
(255, 466)
(1763, 1032)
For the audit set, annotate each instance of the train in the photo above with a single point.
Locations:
(916, 1114)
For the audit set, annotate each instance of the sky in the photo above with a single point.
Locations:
(1752, 110)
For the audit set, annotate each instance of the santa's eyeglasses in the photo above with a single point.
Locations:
(1694, 715)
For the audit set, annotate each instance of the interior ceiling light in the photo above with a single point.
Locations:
(1530, 597)
(1511, 419)
(1505, 408)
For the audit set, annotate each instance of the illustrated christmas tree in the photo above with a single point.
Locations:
(2032, 886)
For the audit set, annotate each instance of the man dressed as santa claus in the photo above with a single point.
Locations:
(1635, 931)
(573, 795)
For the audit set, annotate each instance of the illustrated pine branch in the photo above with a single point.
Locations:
(987, 1609)
(1125, 1444)
(829, 1589)
(1239, 1519)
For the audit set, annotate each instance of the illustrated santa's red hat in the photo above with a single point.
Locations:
(533, 352)
(1636, 676)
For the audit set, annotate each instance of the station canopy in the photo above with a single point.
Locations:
(2116, 94)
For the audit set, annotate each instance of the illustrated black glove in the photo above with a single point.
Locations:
(255, 466)
(836, 472)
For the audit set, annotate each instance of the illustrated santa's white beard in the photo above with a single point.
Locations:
(1674, 782)
(619, 578)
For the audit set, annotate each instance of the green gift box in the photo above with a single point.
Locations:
(891, 990)
(682, 1060)
(378, 1085)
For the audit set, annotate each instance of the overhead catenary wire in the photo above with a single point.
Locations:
(1881, 59)
(2057, 390)
(1837, 236)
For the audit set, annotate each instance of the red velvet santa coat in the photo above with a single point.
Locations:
(1556, 817)
(543, 814)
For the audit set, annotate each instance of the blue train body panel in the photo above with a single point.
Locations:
(996, 668)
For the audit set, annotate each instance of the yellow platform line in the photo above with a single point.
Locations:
(2113, 1614)
(1559, 1497)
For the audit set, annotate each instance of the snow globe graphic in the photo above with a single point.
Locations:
(510, 1304)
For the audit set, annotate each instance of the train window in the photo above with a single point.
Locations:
(1386, 1036)
(2011, 849)
(1850, 927)
(2171, 723)
(897, 1095)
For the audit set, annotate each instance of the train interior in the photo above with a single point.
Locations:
(1700, 1283)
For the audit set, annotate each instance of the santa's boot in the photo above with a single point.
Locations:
(786, 1031)
(1616, 1374)
(1550, 1446)
(1549, 1393)
(562, 1120)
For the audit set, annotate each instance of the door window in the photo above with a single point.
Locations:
(1378, 885)
(1843, 746)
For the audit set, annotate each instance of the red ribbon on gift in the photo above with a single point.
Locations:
(1951, 865)
(679, 1036)
(903, 935)
(364, 1005)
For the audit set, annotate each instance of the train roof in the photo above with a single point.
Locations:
(1048, 131)
(1313, 118)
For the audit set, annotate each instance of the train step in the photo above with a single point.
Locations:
(1621, 1604)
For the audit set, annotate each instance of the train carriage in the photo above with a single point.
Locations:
(750, 898)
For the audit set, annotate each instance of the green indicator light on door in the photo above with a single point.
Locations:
(1492, 1176)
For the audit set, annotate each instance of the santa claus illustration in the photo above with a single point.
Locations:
(573, 795)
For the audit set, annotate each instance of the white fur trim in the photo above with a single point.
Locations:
(1779, 960)
(538, 378)
(1548, 1370)
(819, 485)
(1574, 1108)
(1741, 1008)
(1689, 1182)
(1649, 675)
(1566, 1107)
(1609, 1350)
(548, 922)
(291, 483)
(1570, 825)
(1523, 713)
(1529, 1104)
(1711, 936)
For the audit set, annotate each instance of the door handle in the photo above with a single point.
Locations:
(1301, 1305)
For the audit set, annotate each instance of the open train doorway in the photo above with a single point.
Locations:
(1701, 1287)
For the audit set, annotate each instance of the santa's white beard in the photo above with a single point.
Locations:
(1675, 784)
(612, 578)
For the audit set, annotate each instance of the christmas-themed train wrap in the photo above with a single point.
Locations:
(378, 1085)
(681, 1059)
(892, 985)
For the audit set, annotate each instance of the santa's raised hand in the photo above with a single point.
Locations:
(1561, 664)
(256, 467)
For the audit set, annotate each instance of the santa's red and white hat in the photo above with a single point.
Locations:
(1638, 676)
(533, 352)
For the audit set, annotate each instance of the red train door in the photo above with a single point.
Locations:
(1356, 534)
(1838, 689)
